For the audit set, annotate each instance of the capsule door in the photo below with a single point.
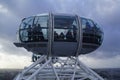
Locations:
(65, 35)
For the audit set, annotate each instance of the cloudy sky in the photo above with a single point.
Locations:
(105, 12)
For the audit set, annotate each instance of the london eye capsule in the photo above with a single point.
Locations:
(59, 35)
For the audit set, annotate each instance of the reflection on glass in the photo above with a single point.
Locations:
(91, 32)
(65, 28)
(34, 29)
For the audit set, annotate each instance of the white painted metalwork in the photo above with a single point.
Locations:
(70, 68)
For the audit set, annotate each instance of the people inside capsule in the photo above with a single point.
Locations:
(65, 27)
(69, 36)
(37, 33)
(56, 36)
(65, 30)
(61, 36)
(29, 30)
(91, 32)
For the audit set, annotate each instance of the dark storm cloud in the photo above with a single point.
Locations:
(18, 9)
(104, 12)
(28, 8)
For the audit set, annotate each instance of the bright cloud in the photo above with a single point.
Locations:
(0, 47)
(13, 57)
(13, 61)
(101, 63)
(3, 9)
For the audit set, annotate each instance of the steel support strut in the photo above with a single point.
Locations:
(70, 68)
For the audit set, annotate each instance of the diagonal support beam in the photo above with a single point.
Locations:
(75, 69)
(33, 65)
(69, 69)
(89, 71)
(36, 72)
(56, 74)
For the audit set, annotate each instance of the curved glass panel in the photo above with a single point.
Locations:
(91, 32)
(34, 29)
(99, 32)
(65, 28)
(26, 22)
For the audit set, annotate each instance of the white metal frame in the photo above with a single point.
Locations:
(70, 68)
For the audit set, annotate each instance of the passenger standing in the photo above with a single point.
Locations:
(29, 30)
(56, 36)
(61, 36)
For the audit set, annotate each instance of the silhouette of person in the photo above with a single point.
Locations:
(69, 36)
(34, 32)
(88, 25)
(38, 35)
(29, 30)
(74, 32)
(61, 36)
(56, 35)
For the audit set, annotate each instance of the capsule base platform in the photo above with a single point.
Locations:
(70, 68)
